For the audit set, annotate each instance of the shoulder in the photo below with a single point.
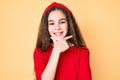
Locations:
(82, 53)
(39, 55)
(39, 52)
(81, 50)
(84, 50)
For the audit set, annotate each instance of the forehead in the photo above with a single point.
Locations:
(56, 14)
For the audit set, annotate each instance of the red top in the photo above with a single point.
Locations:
(73, 64)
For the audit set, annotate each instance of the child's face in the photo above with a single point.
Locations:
(57, 24)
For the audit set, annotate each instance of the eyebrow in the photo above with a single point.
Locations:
(63, 19)
(59, 19)
(50, 20)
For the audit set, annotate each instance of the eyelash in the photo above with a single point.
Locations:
(62, 22)
(51, 23)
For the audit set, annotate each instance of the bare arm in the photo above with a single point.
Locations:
(59, 46)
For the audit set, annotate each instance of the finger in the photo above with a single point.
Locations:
(53, 39)
(68, 37)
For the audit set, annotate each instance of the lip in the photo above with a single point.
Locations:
(58, 34)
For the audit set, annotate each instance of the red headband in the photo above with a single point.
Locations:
(54, 4)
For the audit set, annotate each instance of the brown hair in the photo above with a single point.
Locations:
(43, 39)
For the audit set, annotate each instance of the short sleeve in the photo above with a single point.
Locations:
(84, 72)
(39, 63)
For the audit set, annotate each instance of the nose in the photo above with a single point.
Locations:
(57, 26)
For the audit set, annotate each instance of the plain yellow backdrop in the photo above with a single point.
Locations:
(99, 21)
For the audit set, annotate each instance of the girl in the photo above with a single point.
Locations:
(60, 53)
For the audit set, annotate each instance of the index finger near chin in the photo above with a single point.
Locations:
(68, 37)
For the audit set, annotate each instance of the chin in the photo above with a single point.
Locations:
(58, 38)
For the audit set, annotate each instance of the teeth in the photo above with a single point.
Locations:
(57, 34)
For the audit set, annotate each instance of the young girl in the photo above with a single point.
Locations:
(60, 53)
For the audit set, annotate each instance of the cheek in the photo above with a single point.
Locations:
(50, 30)
(65, 28)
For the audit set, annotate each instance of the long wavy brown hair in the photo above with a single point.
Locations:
(43, 39)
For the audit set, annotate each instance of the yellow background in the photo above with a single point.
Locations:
(99, 22)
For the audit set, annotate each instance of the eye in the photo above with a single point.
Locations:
(62, 22)
(50, 23)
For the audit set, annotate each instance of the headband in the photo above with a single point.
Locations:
(54, 4)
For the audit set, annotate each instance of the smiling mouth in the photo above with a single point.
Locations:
(58, 33)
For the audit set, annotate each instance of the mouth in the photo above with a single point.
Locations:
(58, 34)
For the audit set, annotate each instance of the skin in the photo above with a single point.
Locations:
(58, 28)
(57, 25)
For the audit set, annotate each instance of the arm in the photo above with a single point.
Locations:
(47, 72)
(59, 47)
(51, 66)
(39, 63)
(84, 72)
(41, 70)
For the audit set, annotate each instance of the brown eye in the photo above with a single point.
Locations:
(62, 22)
(51, 24)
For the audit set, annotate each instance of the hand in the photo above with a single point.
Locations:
(61, 45)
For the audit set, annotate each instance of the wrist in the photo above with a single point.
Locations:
(56, 50)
